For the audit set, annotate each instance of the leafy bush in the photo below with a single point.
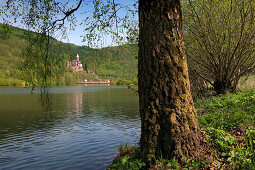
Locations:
(61, 81)
(5, 82)
(2, 75)
(17, 83)
(69, 79)
(12, 82)
(121, 81)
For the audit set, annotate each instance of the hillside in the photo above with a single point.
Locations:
(111, 62)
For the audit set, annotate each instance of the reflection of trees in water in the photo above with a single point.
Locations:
(113, 103)
(46, 99)
(74, 102)
(110, 102)
(21, 114)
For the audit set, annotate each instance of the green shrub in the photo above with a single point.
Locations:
(2, 75)
(5, 82)
(17, 83)
(69, 79)
(120, 82)
(135, 81)
(60, 82)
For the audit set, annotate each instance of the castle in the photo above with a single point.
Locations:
(75, 65)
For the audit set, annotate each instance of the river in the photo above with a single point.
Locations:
(83, 130)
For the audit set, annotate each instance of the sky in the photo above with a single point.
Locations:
(74, 36)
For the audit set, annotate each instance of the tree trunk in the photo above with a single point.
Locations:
(168, 118)
(222, 87)
(225, 85)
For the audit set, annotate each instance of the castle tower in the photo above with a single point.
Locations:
(77, 58)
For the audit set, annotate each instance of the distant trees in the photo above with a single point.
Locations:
(86, 67)
(5, 31)
(219, 40)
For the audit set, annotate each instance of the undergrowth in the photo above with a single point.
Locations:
(128, 158)
(227, 112)
(229, 123)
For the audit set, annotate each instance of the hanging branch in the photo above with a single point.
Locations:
(66, 14)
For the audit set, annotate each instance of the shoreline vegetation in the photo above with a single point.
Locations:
(69, 79)
(228, 126)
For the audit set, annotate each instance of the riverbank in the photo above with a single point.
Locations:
(70, 79)
(228, 122)
(12, 83)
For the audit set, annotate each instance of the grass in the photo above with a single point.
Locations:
(128, 158)
(229, 124)
(227, 112)
(249, 84)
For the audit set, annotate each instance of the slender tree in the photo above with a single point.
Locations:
(168, 118)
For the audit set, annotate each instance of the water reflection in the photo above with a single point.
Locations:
(46, 99)
(83, 130)
(74, 102)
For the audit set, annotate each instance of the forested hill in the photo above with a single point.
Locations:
(111, 62)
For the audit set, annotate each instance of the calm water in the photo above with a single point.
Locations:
(83, 131)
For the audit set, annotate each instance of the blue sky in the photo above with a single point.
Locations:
(74, 36)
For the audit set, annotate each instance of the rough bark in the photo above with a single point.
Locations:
(168, 118)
